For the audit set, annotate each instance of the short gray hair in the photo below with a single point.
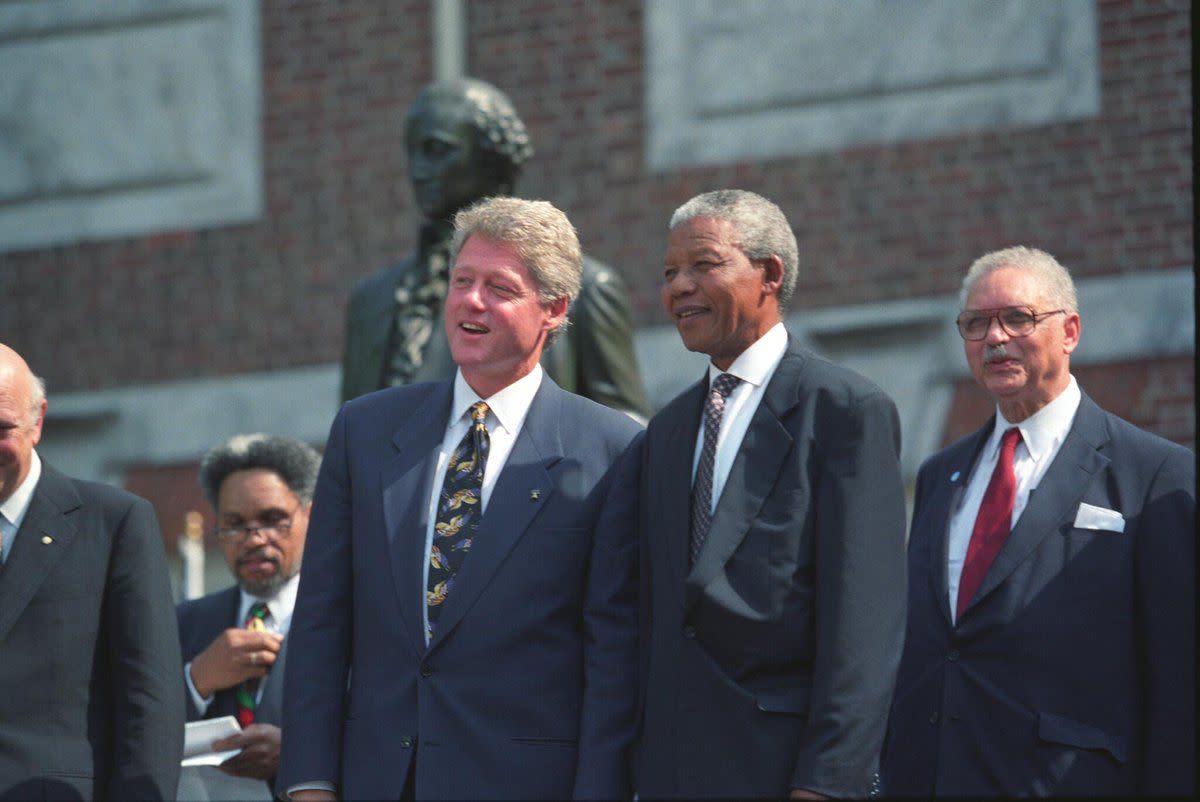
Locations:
(37, 394)
(540, 233)
(295, 463)
(762, 229)
(1053, 279)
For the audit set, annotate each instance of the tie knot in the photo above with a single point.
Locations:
(724, 384)
(479, 411)
(254, 618)
(1009, 440)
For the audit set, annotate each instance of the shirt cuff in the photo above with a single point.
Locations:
(199, 701)
(314, 785)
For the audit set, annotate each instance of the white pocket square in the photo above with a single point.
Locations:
(1090, 517)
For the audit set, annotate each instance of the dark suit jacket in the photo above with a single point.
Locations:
(527, 688)
(201, 621)
(92, 701)
(1072, 671)
(769, 664)
(594, 357)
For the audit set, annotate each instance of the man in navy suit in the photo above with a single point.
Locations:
(466, 626)
(260, 487)
(91, 701)
(1050, 646)
(772, 531)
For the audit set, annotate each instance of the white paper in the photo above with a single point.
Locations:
(198, 738)
(1091, 517)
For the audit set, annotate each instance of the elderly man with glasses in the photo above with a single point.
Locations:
(1050, 646)
(261, 488)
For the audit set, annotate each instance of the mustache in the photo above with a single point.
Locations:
(258, 554)
(994, 353)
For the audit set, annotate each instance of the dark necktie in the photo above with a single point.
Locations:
(714, 408)
(993, 522)
(248, 690)
(459, 510)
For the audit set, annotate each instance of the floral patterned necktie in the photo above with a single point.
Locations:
(248, 690)
(459, 510)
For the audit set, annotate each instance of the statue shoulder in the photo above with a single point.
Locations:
(385, 280)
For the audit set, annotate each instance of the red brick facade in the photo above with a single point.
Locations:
(1107, 195)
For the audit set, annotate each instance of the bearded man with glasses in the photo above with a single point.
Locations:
(261, 488)
(1050, 645)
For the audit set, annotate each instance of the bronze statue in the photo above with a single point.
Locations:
(465, 142)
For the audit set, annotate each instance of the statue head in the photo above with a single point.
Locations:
(465, 142)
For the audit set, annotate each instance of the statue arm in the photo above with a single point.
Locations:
(602, 335)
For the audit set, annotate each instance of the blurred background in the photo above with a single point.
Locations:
(189, 189)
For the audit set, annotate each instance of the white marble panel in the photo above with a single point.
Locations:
(760, 79)
(127, 118)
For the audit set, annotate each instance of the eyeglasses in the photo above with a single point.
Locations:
(272, 530)
(1017, 321)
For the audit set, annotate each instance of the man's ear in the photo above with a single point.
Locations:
(1071, 330)
(772, 279)
(557, 312)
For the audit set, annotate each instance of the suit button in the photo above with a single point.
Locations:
(934, 718)
(689, 632)
(406, 742)
(426, 671)
(952, 656)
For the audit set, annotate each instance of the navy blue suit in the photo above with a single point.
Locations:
(769, 664)
(527, 688)
(1072, 671)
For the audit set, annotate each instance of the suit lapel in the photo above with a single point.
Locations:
(30, 561)
(511, 505)
(406, 483)
(753, 474)
(945, 497)
(1058, 493)
(674, 470)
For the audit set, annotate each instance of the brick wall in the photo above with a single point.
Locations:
(1156, 395)
(1107, 195)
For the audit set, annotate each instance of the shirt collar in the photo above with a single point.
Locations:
(755, 365)
(1049, 425)
(15, 507)
(508, 406)
(280, 605)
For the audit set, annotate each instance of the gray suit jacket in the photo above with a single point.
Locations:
(93, 698)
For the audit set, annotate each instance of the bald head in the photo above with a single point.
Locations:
(22, 410)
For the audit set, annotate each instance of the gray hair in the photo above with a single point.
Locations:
(500, 134)
(762, 229)
(296, 463)
(540, 233)
(37, 394)
(1052, 278)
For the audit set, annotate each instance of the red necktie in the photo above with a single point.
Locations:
(993, 523)
(247, 691)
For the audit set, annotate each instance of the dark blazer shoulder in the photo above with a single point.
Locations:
(815, 372)
(207, 608)
(606, 419)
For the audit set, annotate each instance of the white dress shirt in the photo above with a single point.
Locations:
(506, 414)
(1042, 434)
(279, 620)
(755, 366)
(12, 511)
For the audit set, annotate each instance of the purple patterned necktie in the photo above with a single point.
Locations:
(460, 506)
(714, 408)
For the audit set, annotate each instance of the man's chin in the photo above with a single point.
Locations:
(262, 586)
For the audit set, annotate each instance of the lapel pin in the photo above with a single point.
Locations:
(954, 476)
(47, 540)
(535, 494)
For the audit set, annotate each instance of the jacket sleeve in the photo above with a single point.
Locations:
(146, 683)
(319, 638)
(860, 596)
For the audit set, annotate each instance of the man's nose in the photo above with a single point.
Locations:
(996, 332)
